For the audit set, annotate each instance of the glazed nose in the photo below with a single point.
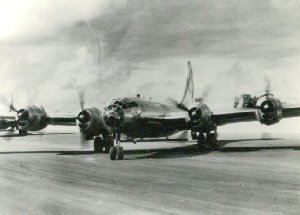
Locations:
(114, 116)
(23, 116)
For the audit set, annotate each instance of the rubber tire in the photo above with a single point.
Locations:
(120, 153)
(98, 144)
(212, 141)
(107, 145)
(201, 142)
(113, 153)
(22, 132)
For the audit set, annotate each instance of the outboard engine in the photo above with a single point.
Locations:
(270, 110)
(32, 118)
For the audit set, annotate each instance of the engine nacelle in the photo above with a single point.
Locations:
(270, 111)
(199, 114)
(90, 122)
(32, 118)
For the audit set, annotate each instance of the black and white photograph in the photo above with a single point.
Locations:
(150, 107)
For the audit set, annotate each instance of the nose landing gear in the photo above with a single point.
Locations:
(117, 152)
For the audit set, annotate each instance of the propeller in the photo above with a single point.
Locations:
(81, 98)
(9, 104)
(10, 132)
(12, 106)
(267, 87)
(266, 106)
(179, 105)
(206, 91)
(83, 117)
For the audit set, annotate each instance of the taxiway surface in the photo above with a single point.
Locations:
(51, 174)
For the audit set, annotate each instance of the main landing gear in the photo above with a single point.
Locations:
(208, 142)
(111, 145)
(117, 152)
(101, 145)
(23, 132)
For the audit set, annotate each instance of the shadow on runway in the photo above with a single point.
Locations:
(67, 152)
(32, 134)
(190, 150)
(177, 152)
(223, 143)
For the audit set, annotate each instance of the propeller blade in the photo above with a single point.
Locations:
(206, 91)
(81, 99)
(268, 85)
(9, 104)
(178, 105)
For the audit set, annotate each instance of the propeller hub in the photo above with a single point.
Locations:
(267, 107)
(83, 117)
(195, 114)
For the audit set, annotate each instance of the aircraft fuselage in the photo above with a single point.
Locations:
(148, 119)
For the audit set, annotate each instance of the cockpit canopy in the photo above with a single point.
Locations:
(124, 103)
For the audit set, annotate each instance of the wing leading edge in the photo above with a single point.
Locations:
(288, 112)
(62, 120)
(234, 117)
(7, 121)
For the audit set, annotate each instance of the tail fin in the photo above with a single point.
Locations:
(188, 96)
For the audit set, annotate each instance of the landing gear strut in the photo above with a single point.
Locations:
(116, 152)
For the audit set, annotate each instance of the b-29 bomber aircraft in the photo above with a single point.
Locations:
(138, 118)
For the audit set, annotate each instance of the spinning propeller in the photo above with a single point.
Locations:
(91, 121)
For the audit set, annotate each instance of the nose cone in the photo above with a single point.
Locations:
(267, 107)
(113, 116)
(83, 117)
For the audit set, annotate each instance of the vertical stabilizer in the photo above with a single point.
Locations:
(188, 96)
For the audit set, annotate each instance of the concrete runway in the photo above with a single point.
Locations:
(51, 174)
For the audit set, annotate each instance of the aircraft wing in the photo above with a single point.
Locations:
(226, 117)
(7, 121)
(220, 117)
(62, 120)
(290, 111)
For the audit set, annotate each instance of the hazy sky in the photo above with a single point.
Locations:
(50, 49)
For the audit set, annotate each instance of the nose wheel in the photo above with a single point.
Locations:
(116, 152)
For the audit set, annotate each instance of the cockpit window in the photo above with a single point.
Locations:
(134, 104)
(124, 103)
